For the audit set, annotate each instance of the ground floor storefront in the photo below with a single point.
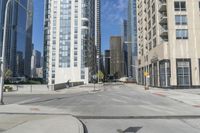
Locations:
(170, 73)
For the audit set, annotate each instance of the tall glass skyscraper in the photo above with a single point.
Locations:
(125, 47)
(132, 39)
(98, 31)
(69, 42)
(18, 36)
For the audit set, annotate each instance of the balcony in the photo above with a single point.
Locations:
(164, 32)
(163, 6)
(163, 41)
(163, 18)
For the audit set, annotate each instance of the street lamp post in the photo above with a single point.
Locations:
(3, 53)
(2, 59)
(98, 71)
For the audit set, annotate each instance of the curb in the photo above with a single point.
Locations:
(58, 124)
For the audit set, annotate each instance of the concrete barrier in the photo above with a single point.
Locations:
(65, 85)
(36, 88)
(30, 88)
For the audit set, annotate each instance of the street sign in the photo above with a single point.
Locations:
(146, 74)
(94, 77)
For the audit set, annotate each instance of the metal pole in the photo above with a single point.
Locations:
(3, 53)
(98, 69)
(3, 48)
(94, 85)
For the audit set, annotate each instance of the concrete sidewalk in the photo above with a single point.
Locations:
(183, 96)
(187, 96)
(26, 109)
(71, 90)
(37, 119)
(55, 124)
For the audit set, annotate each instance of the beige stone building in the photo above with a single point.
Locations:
(169, 42)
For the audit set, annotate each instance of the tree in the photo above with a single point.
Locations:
(8, 74)
(100, 75)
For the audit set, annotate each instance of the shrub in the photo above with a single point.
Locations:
(8, 89)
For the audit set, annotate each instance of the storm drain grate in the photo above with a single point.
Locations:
(130, 130)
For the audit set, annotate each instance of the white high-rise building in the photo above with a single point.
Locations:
(69, 43)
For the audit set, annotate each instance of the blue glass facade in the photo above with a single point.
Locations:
(18, 36)
(125, 46)
(132, 38)
(65, 32)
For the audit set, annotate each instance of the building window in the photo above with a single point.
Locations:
(149, 35)
(199, 67)
(150, 46)
(155, 74)
(149, 25)
(65, 33)
(154, 42)
(154, 19)
(154, 30)
(165, 74)
(199, 5)
(142, 76)
(183, 72)
(181, 34)
(153, 8)
(139, 75)
(180, 5)
(181, 19)
(151, 75)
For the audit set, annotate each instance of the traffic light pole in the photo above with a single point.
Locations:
(2, 59)
(3, 53)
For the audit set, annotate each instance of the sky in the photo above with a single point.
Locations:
(38, 20)
(112, 14)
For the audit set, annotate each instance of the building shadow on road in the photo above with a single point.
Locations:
(53, 99)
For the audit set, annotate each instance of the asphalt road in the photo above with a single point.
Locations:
(118, 109)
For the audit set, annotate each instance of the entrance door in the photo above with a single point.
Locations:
(184, 73)
(155, 74)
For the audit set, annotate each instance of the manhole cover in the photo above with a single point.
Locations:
(130, 130)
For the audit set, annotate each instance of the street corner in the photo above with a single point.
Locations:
(27, 109)
(50, 124)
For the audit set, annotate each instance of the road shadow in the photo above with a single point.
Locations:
(54, 99)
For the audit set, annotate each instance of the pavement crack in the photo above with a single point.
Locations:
(18, 124)
(191, 125)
